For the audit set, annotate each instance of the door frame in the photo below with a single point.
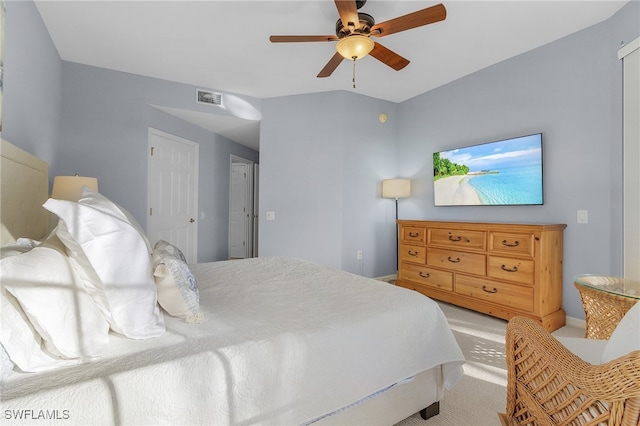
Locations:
(630, 56)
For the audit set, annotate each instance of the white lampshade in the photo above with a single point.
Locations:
(396, 188)
(70, 187)
(354, 46)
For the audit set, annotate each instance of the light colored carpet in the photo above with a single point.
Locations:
(481, 393)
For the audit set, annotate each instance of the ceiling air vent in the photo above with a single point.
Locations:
(208, 97)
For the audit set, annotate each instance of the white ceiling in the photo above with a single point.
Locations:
(224, 45)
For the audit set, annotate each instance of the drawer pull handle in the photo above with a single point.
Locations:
(414, 234)
(505, 243)
(456, 260)
(458, 238)
(493, 290)
(424, 275)
(514, 269)
(412, 253)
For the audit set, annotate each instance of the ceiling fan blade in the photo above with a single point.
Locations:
(411, 20)
(301, 38)
(331, 66)
(388, 57)
(348, 13)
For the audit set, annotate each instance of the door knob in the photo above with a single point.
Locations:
(192, 220)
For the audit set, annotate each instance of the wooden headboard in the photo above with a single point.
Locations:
(24, 187)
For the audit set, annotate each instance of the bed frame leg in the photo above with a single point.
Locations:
(430, 411)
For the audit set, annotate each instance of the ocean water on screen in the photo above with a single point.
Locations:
(513, 185)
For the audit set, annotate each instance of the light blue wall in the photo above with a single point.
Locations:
(571, 90)
(101, 118)
(32, 89)
(322, 157)
(106, 117)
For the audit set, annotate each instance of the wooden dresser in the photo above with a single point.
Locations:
(499, 269)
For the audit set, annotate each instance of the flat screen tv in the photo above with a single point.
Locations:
(506, 172)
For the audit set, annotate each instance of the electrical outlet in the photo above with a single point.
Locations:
(359, 254)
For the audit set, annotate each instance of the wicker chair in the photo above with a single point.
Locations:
(549, 385)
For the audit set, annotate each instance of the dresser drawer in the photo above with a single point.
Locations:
(458, 261)
(506, 268)
(427, 276)
(511, 243)
(413, 235)
(413, 254)
(457, 238)
(510, 295)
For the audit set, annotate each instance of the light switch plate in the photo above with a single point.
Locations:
(583, 216)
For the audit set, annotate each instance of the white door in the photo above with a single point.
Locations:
(241, 215)
(173, 192)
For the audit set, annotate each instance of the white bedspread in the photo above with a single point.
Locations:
(284, 342)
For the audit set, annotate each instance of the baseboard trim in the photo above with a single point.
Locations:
(387, 278)
(575, 322)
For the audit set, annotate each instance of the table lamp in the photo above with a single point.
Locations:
(70, 187)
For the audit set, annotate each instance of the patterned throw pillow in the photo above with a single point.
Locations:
(177, 287)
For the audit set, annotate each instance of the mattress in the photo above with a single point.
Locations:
(284, 341)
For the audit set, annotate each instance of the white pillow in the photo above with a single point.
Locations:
(100, 202)
(53, 298)
(22, 343)
(177, 287)
(589, 350)
(115, 264)
(626, 336)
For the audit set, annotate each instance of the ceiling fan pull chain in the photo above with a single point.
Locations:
(354, 72)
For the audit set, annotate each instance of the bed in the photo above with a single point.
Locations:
(271, 340)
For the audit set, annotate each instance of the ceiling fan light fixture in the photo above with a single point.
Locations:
(354, 46)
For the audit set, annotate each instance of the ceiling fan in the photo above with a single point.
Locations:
(354, 31)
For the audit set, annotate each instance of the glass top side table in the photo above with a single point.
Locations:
(605, 300)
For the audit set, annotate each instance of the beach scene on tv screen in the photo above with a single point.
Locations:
(507, 172)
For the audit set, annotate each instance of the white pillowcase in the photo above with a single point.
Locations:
(22, 343)
(177, 287)
(93, 198)
(114, 262)
(626, 336)
(53, 298)
(15, 328)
